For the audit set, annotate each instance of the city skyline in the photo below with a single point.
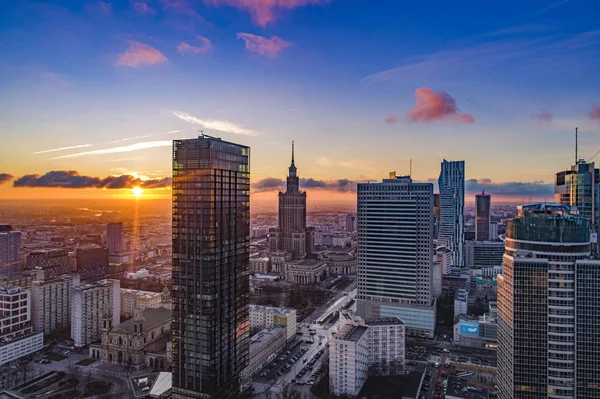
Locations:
(101, 89)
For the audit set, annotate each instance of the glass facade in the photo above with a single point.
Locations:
(451, 184)
(482, 216)
(211, 236)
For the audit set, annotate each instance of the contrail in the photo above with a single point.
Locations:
(63, 148)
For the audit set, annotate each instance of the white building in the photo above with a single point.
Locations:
(17, 338)
(348, 361)
(264, 346)
(451, 184)
(142, 273)
(461, 302)
(262, 317)
(89, 300)
(137, 299)
(51, 302)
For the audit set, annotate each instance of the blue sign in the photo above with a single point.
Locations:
(469, 327)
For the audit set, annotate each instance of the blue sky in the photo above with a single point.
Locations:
(326, 74)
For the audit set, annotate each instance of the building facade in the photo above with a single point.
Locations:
(264, 346)
(341, 263)
(305, 271)
(260, 265)
(483, 213)
(53, 262)
(114, 238)
(351, 222)
(89, 301)
(452, 208)
(548, 302)
(395, 252)
(262, 317)
(292, 235)
(91, 262)
(483, 253)
(211, 267)
(51, 303)
(137, 299)
(461, 302)
(10, 251)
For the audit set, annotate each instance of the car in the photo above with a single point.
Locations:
(446, 350)
(280, 373)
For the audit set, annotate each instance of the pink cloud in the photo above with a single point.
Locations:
(595, 112)
(143, 8)
(180, 6)
(262, 45)
(436, 106)
(265, 11)
(391, 119)
(140, 54)
(186, 48)
(544, 115)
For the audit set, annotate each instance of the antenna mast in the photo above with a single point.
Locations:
(576, 158)
(410, 169)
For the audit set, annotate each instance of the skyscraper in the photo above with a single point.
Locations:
(292, 235)
(114, 238)
(452, 208)
(548, 307)
(395, 252)
(211, 266)
(482, 216)
(10, 251)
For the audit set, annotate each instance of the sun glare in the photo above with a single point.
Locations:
(137, 191)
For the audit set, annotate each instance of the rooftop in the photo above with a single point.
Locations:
(459, 388)
(272, 309)
(152, 318)
(139, 293)
(384, 321)
(356, 333)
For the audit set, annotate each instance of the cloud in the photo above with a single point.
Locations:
(323, 162)
(552, 6)
(595, 112)
(222, 126)
(526, 189)
(140, 54)
(143, 8)
(128, 139)
(515, 30)
(99, 7)
(5, 178)
(63, 148)
(186, 48)
(274, 184)
(263, 46)
(544, 115)
(436, 106)
(115, 150)
(181, 7)
(391, 119)
(265, 11)
(72, 179)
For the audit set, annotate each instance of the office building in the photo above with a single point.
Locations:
(262, 317)
(89, 302)
(292, 235)
(114, 238)
(548, 307)
(436, 215)
(483, 253)
(351, 222)
(91, 261)
(494, 231)
(211, 267)
(17, 338)
(51, 303)
(53, 262)
(395, 252)
(10, 251)
(137, 299)
(461, 302)
(483, 212)
(452, 203)
(477, 332)
(264, 346)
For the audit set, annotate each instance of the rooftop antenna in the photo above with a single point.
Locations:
(292, 151)
(410, 169)
(201, 132)
(576, 158)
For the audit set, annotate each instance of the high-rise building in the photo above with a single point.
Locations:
(452, 208)
(351, 224)
(114, 238)
(548, 307)
(10, 251)
(483, 253)
(395, 252)
(91, 261)
(292, 235)
(436, 215)
(51, 303)
(53, 262)
(211, 267)
(482, 216)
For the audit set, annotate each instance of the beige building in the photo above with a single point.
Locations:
(51, 303)
(137, 342)
(137, 299)
(305, 271)
(341, 263)
(278, 260)
(264, 346)
(259, 265)
(262, 317)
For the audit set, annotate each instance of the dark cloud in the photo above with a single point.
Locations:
(72, 179)
(273, 184)
(536, 188)
(5, 177)
(268, 184)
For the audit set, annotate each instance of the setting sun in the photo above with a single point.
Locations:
(137, 191)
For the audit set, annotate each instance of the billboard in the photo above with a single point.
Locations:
(469, 327)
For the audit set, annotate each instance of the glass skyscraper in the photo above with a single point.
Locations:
(451, 185)
(548, 307)
(211, 236)
(482, 216)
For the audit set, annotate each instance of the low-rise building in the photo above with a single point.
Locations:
(264, 346)
(477, 332)
(53, 262)
(486, 289)
(262, 317)
(341, 263)
(458, 388)
(305, 271)
(137, 299)
(278, 260)
(259, 265)
(51, 302)
(89, 300)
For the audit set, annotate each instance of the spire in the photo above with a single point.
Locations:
(292, 152)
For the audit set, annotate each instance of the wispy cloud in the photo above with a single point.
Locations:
(521, 29)
(543, 115)
(143, 8)
(99, 7)
(173, 131)
(390, 120)
(138, 54)
(265, 11)
(436, 106)
(116, 150)
(128, 139)
(323, 162)
(552, 6)
(186, 48)
(63, 148)
(72, 179)
(222, 126)
(595, 112)
(5, 178)
(182, 7)
(262, 45)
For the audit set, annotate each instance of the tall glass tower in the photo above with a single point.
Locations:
(211, 237)
(548, 307)
(452, 208)
(482, 216)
